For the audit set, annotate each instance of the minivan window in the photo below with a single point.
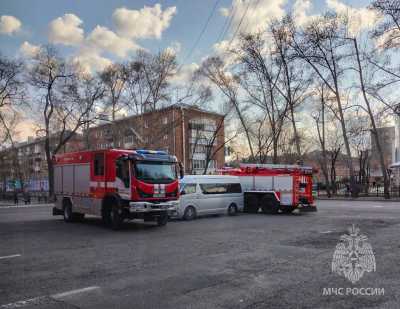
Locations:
(220, 188)
(188, 188)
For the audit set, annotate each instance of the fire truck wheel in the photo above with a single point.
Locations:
(116, 218)
(162, 220)
(79, 217)
(288, 210)
(269, 205)
(190, 213)
(232, 209)
(251, 209)
(67, 212)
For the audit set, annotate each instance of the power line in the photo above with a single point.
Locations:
(240, 23)
(227, 25)
(255, 10)
(202, 31)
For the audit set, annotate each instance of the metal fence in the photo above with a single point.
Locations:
(31, 197)
(372, 191)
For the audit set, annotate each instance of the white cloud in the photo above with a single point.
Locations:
(9, 24)
(29, 50)
(148, 22)
(90, 60)
(66, 30)
(104, 39)
(257, 16)
(185, 74)
(359, 19)
(223, 50)
(174, 48)
(300, 12)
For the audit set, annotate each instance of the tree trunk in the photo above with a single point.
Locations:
(349, 161)
(324, 162)
(296, 135)
(275, 151)
(50, 169)
(373, 124)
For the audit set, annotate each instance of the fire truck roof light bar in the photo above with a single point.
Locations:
(276, 166)
(143, 151)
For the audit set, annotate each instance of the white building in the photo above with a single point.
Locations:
(395, 166)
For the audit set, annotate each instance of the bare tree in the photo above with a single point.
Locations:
(58, 102)
(213, 147)
(319, 118)
(12, 92)
(90, 91)
(114, 80)
(294, 81)
(214, 70)
(262, 139)
(259, 79)
(389, 29)
(322, 46)
(369, 110)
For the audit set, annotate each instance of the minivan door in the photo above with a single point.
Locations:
(212, 197)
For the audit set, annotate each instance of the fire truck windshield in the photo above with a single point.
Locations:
(155, 172)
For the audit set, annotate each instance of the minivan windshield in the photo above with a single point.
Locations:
(155, 172)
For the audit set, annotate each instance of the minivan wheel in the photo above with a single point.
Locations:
(190, 213)
(232, 210)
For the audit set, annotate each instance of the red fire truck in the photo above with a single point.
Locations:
(275, 188)
(116, 184)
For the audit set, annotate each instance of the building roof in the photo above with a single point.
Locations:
(173, 106)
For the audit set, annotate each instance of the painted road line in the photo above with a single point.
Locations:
(37, 300)
(378, 206)
(73, 292)
(9, 256)
(325, 232)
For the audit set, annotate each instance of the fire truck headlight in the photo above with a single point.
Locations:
(137, 206)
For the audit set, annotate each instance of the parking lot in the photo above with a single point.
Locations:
(246, 261)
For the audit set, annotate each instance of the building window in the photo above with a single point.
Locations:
(165, 137)
(146, 124)
(165, 120)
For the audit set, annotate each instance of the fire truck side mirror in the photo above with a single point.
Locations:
(181, 170)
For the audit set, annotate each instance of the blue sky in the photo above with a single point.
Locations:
(184, 28)
(185, 25)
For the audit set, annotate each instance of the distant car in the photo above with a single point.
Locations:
(209, 194)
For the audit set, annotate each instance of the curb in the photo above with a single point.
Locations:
(360, 199)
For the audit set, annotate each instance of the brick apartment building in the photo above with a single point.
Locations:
(193, 135)
(26, 163)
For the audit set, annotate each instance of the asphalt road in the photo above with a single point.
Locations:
(247, 261)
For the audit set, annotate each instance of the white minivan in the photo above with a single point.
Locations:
(209, 194)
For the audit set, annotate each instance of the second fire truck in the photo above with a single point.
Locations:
(116, 184)
(274, 188)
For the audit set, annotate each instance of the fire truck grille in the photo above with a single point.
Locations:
(144, 195)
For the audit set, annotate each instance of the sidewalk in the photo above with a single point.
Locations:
(22, 204)
(360, 199)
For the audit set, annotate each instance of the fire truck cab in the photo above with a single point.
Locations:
(116, 184)
(275, 188)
